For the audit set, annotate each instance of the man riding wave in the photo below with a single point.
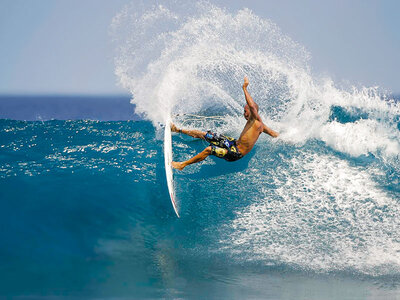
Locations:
(226, 147)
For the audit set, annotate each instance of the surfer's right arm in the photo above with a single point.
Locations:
(250, 102)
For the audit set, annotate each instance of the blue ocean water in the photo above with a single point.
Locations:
(85, 213)
(66, 107)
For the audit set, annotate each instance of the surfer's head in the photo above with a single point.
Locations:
(247, 112)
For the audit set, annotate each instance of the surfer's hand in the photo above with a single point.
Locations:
(246, 82)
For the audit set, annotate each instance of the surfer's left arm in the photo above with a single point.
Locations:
(269, 131)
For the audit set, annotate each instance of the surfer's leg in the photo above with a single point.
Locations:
(199, 157)
(191, 132)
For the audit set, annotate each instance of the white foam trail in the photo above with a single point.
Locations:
(330, 216)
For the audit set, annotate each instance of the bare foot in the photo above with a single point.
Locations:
(174, 128)
(177, 165)
(246, 82)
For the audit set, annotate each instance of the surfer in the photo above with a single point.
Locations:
(226, 147)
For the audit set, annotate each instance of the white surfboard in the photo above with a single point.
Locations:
(168, 163)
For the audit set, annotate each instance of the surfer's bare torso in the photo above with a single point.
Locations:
(249, 136)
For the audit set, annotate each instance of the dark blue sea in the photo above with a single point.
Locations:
(85, 211)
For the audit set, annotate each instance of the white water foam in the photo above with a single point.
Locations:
(360, 137)
(325, 215)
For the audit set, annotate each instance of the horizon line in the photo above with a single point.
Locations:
(64, 95)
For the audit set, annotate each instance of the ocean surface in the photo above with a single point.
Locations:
(85, 213)
(313, 214)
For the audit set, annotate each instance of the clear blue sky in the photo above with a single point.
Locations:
(64, 47)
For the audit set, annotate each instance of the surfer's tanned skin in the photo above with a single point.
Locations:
(249, 136)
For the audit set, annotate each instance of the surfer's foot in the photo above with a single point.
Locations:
(174, 128)
(178, 165)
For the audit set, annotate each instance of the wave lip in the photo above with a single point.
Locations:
(361, 138)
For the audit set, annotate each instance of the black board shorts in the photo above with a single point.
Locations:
(223, 146)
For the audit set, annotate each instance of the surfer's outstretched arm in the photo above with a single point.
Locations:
(269, 131)
(199, 157)
(191, 132)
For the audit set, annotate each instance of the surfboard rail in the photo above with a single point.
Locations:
(168, 164)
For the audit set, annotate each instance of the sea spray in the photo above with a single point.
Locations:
(195, 60)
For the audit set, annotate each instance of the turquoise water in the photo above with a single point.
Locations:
(85, 213)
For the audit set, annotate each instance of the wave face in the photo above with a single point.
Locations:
(322, 197)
